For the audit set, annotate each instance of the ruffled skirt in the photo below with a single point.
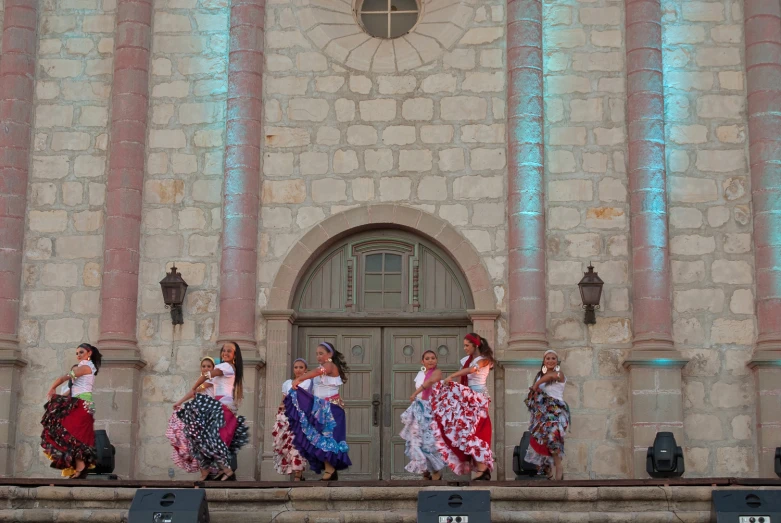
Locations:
(287, 459)
(319, 430)
(421, 447)
(548, 423)
(461, 426)
(212, 431)
(68, 433)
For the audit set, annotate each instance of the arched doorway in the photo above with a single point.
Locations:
(383, 283)
(382, 298)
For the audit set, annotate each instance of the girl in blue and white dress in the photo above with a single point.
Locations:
(317, 419)
(211, 425)
(421, 447)
(287, 459)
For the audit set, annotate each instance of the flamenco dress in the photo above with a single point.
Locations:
(421, 444)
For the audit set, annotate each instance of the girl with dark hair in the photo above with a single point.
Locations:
(181, 454)
(68, 437)
(550, 417)
(287, 460)
(421, 446)
(461, 425)
(211, 426)
(317, 419)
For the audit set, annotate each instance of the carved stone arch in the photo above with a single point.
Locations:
(307, 250)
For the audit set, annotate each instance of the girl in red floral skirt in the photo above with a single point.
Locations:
(550, 417)
(461, 424)
(68, 437)
(287, 460)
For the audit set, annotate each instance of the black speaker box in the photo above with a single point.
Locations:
(169, 506)
(746, 506)
(454, 506)
(105, 453)
(521, 467)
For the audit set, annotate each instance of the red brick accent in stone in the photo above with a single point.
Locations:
(763, 79)
(17, 85)
(129, 101)
(238, 268)
(651, 305)
(526, 179)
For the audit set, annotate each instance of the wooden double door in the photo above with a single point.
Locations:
(383, 364)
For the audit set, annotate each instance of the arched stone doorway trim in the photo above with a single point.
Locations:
(280, 315)
(313, 243)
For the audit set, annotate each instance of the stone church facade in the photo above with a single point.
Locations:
(313, 182)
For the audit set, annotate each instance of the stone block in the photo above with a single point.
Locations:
(162, 246)
(47, 221)
(739, 332)
(203, 245)
(89, 166)
(85, 302)
(567, 84)
(279, 164)
(564, 272)
(396, 135)
(583, 245)
(310, 216)
(570, 190)
(481, 240)
(395, 188)
(455, 214)
(478, 187)
(692, 245)
(377, 110)
(589, 110)
(417, 109)
(731, 395)
(721, 106)
(490, 58)
(703, 12)
(43, 303)
(482, 35)
(479, 82)
(311, 61)
(703, 427)
(718, 56)
(88, 221)
(721, 160)
(313, 163)
(737, 243)
(468, 108)
(685, 218)
(742, 302)
(563, 218)
(378, 160)
(617, 245)
(308, 109)
(166, 191)
(284, 191)
(345, 110)
(59, 275)
(561, 161)
(611, 190)
(732, 80)
(329, 190)
(158, 218)
(604, 394)
(65, 330)
(594, 162)
(606, 218)
(687, 271)
(693, 300)
(734, 461)
(734, 272)
(489, 214)
(567, 136)
(276, 217)
(192, 218)
(451, 160)
(437, 133)
(611, 331)
(487, 159)
(345, 161)
(360, 84)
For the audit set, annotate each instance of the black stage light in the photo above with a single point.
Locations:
(454, 506)
(777, 462)
(665, 458)
(746, 506)
(522, 468)
(169, 506)
(104, 463)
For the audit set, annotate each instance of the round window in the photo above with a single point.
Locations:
(388, 18)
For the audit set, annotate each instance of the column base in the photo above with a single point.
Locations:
(528, 343)
(11, 363)
(767, 368)
(653, 343)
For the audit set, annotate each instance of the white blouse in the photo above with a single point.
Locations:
(327, 386)
(86, 382)
(479, 378)
(554, 389)
(223, 385)
(306, 384)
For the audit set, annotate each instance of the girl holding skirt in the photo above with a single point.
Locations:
(68, 437)
(421, 446)
(287, 460)
(211, 426)
(549, 419)
(461, 425)
(317, 419)
(181, 454)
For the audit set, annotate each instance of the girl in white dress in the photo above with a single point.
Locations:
(421, 446)
(287, 460)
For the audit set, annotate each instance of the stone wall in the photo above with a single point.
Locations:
(63, 253)
(711, 232)
(419, 122)
(588, 220)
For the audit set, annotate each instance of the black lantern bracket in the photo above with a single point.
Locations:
(174, 289)
(591, 294)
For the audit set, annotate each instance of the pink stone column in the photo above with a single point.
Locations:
(129, 106)
(17, 85)
(763, 78)
(654, 365)
(526, 193)
(238, 267)
(118, 389)
(651, 305)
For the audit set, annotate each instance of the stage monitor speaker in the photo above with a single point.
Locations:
(169, 506)
(521, 467)
(746, 506)
(454, 506)
(105, 454)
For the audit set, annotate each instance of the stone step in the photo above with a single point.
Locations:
(649, 504)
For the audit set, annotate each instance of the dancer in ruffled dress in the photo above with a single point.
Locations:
(181, 454)
(68, 437)
(421, 446)
(211, 426)
(317, 420)
(287, 459)
(550, 417)
(462, 426)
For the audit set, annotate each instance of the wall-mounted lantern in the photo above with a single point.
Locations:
(590, 293)
(174, 288)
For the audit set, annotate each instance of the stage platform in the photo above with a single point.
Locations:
(595, 501)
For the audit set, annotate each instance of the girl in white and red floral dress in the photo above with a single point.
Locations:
(287, 460)
(461, 423)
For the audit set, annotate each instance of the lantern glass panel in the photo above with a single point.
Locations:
(590, 293)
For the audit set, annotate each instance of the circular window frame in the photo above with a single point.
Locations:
(357, 12)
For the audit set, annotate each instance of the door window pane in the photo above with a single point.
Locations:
(372, 301)
(392, 263)
(375, 5)
(374, 263)
(392, 300)
(402, 23)
(373, 282)
(376, 25)
(392, 282)
(383, 281)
